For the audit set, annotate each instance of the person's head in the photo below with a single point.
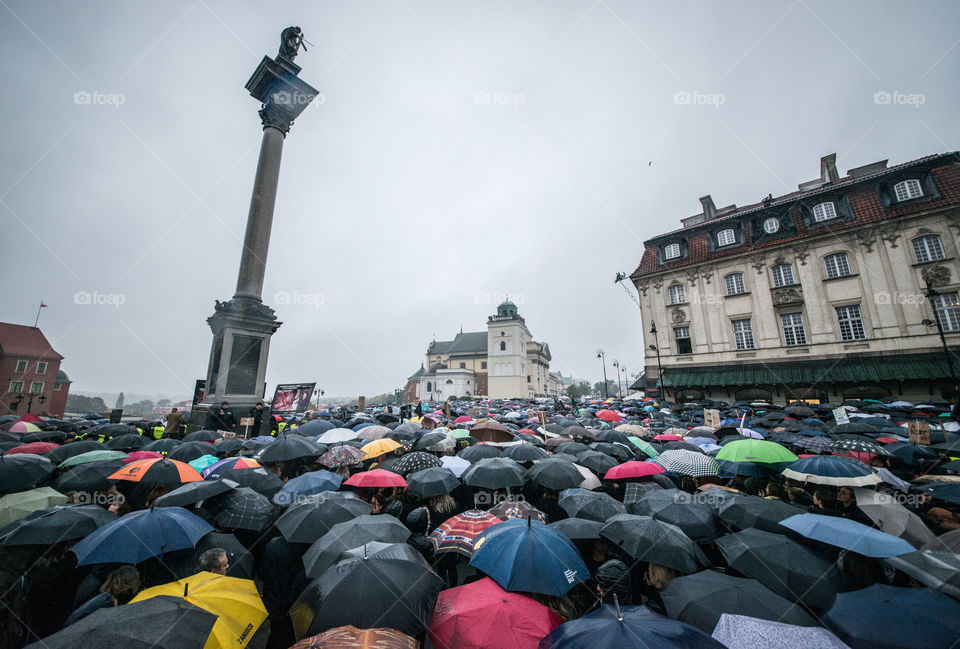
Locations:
(224, 405)
(173, 410)
(825, 498)
(613, 578)
(122, 584)
(444, 504)
(942, 519)
(774, 490)
(378, 503)
(658, 576)
(418, 521)
(846, 497)
(214, 560)
(798, 496)
(259, 405)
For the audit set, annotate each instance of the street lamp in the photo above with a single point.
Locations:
(656, 348)
(41, 399)
(617, 365)
(16, 402)
(603, 360)
(932, 293)
(318, 393)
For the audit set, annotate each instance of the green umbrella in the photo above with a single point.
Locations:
(459, 433)
(91, 456)
(203, 462)
(15, 506)
(755, 450)
(643, 446)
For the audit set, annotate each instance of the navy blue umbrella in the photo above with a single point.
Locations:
(627, 627)
(526, 555)
(137, 536)
(848, 534)
(888, 617)
(831, 470)
(308, 484)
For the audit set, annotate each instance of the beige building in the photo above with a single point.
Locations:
(503, 362)
(818, 294)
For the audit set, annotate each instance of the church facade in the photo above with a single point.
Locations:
(503, 362)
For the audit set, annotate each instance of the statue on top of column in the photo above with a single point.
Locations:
(291, 39)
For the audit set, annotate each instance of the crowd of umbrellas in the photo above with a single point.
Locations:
(513, 524)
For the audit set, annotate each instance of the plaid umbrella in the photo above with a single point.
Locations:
(859, 446)
(815, 443)
(517, 509)
(458, 533)
(240, 509)
(689, 463)
(416, 461)
(341, 456)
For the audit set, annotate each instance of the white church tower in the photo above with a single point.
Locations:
(507, 338)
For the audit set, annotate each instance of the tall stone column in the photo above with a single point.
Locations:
(242, 326)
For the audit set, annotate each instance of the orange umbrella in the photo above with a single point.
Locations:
(349, 637)
(160, 471)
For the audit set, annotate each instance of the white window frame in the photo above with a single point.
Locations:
(726, 237)
(15, 390)
(771, 221)
(907, 189)
(33, 385)
(779, 276)
(57, 385)
(794, 333)
(825, 211)
(928, 247)
(947, 306)
(837, 265)
(21, 366)
(671, 251)
(672, 292)
(677, 338)
(851, 326)
(743, 334)
(44, 364)
(738, 284)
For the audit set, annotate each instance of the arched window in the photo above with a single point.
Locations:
(907, 189)
(726, 237)
(429, 386)
(676, 294)
(824, 211)
(671, 251)
(449, 381)
(503, 346)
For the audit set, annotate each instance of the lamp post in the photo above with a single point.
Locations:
(603, 361)
(40, 398)
(656, 348)
(617, 365)
(931, 294)
(17, 400)
(318, 393)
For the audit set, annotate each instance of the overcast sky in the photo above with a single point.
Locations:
(460, 151)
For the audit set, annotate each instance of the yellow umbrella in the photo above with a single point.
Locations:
(235, 602)
(379, 447)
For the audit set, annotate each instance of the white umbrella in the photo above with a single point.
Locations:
(336, 435)
(456, 464)
(892, 517)
(590, 480)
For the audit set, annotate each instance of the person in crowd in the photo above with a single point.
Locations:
(174, 421)
(222, 418)
(942, 520)
(847, 506)
(119, 588)
(613, 580)
(257, 412)
(214, 560)
(418, 522)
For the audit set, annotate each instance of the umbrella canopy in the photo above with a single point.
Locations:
(525, 452)
(831, 470)
(511, 508)
(89, 477)
(379, 447)
(375, 585)
(688, 463)
(435, 481)
(888, 617)
(350, 637)
(786, 567)
(491, 431)
(19, 472)
(158, 472)
(306, 485)
(341, 456)
(337, 435)
(354, 533)
(847, 534)
(743, 512)
(592, 505)
(234, 601)
(938, 570)
(479, 452)
(162, 446)
(697, 520)
(139, 535)
(90, 456)
(456, 464)
(202, 436)
(410, 462)
(458, 533)
(375, 478)
(528, 556)
(755, 450)
(190, 451)
(614, 627)
(742, 632)
(128, 442)
(482, 615)
(240, 509)
(56, 524)
(892, 517)
(554, 475)
(597, 462)
(260, 480)
(701, 599)
(578, 528)
(73, 449)
(15, 506)
(156, 623)
(859, 446)
(191, 493)
(310, 519)
(230, 463)
(494, 473)
(634, 469)
(288, 447)
(647, 539)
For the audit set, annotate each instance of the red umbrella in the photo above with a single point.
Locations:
(375, 478)
(668, 438)
(142, 455)
(633, 469)
(462, 419)
(887, 440)
(30, 417)
(37, 448)
(608, 415)
(481, 615)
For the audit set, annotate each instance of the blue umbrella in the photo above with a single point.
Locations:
(137, 536)
(616, 627)
(888, 617)
(526, 555)
(316, 427)
(743, 632)
(308, 484)
(831, 470)
(848, 534)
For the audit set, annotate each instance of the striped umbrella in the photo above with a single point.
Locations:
(645, 447)
(688, 463)
(458, 533)
(231, 463)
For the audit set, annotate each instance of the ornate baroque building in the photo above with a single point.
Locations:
(821, 293)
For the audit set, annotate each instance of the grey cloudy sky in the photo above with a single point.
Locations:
(461, 151)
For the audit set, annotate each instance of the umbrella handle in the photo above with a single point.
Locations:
(616, 603)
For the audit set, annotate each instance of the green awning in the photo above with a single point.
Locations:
(860, 369)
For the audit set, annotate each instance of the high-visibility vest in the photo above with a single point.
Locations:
(158, 432)
(281, 426)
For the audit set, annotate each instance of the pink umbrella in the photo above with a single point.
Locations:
(141, 455)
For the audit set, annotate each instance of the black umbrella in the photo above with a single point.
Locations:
(524, 453)
(67, 451)
(646, 539)
(128, 442)
(163, 446)
(352, 534)
(786, 567)
(191, 493)
(494, 473)
(55, 525)
(202, 436)
(592, 505)
(615, 449)
(572, 448)
(260, 480)
(44, 436)
(411, 462)
(479, 452)
(700, 600)
(578, 528)
(613, 436)
(555, 475)
(189, 451)
(376, 585)
(228, 446)
(111, 430)
(744, 512)
(288, 447)
(696, 520)
(596, 461)
(310, 519)
(240, 509)
(160, 622)
(22, 471)
(428, 440)
(89, 477)
(434, 481)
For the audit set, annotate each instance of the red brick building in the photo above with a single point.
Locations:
(30, 366)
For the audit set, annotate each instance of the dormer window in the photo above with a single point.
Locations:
(824, 212)
(771, 225)
(907, 189)
(726, 237)
(671, 251)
